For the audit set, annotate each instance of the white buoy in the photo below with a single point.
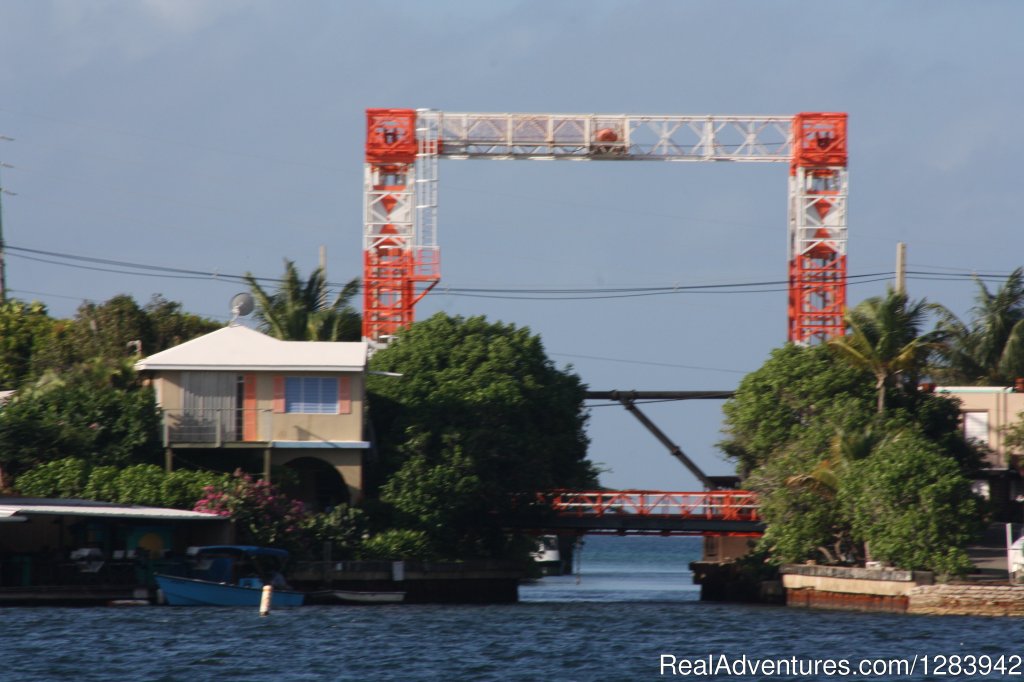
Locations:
(268, 593)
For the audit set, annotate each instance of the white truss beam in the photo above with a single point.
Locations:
(591, 137)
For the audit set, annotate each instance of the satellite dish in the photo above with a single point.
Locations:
(241, 305)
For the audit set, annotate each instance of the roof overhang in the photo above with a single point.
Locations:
(142, 366)
(22, 512)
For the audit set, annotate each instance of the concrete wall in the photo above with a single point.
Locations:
(726, 548)
(856, 589)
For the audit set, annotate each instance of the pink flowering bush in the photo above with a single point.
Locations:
(263, 515)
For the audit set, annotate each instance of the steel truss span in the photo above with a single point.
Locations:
(716, 512)
(401, 261)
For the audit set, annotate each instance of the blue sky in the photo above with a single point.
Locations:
(223, 136)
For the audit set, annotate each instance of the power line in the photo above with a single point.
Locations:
(647, 362)
(118, 266)
(123, 267)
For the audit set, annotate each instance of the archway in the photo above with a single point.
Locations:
(316, 483)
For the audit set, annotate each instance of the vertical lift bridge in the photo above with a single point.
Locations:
(401, 256)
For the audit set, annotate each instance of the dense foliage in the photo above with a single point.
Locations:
(478, 414)
(24, 328)
(799, 394)
(912, 505)
(32, 343)
(98, 412)
(77, 395)
(263, 515)
(144, 484)
(806, 431)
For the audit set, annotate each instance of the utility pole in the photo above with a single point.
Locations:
(901, 268)
(3, 267)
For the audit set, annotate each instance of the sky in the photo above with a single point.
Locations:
(223, 136)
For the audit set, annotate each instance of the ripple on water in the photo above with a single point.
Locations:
(613, 625)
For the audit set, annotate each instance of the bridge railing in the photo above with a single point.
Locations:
(724, 505)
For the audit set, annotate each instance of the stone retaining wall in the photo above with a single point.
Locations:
(861, 589)
(967, 600)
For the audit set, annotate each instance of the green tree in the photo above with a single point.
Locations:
(802, 428)
(117, 329)
(885, 338)
(478, 414)
(109, 329)
(168, 325)
(304, 311)
(98, 411)
(989, 349)
(798, 393)
(23, 326)
(912, 506)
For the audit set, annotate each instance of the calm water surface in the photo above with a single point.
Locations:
(633, 602)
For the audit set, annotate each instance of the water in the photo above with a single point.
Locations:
(633, 603)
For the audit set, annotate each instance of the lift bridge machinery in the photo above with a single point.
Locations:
(401, 256)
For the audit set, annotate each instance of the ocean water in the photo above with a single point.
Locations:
(631, 609)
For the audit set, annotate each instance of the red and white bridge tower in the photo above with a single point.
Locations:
(401, 256)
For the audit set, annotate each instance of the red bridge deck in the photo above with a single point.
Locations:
(717, 512)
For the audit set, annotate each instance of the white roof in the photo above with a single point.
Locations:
(12, 508)
(240, 348)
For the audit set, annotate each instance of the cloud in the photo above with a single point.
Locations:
(187, 16)
(89, 30)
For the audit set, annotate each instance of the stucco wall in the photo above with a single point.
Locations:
(280, 426)
(347, 462)
(1002, 406)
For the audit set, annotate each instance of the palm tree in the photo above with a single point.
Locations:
(884, 338)
(303, 311)
(990, 349)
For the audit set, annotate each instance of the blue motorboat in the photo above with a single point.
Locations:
(230, 575)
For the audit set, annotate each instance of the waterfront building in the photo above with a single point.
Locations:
(68, 551)
(985, 413)
(238, 398)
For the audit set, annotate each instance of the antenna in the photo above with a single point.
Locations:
(241, 305)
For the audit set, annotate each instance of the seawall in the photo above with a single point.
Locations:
(968, 600)
(850, 589)
(896, 591)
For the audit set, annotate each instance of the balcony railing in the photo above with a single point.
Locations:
(215, 426)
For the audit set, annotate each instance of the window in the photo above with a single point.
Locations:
(976, 426)
(311, 395)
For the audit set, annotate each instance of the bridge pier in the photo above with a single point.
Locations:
(741, 580)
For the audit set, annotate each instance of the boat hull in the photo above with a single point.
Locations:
(368, 597)
(191, 592)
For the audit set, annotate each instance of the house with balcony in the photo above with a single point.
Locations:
(237, 398)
